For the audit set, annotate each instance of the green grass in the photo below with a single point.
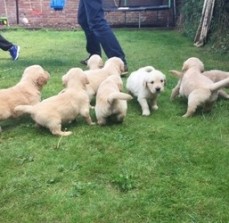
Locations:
(161, 168)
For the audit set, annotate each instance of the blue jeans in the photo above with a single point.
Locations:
(97, 31)
(5, 44)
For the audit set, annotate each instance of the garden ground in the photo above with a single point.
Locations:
(161, 168)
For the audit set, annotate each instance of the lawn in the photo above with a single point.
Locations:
(161, 168)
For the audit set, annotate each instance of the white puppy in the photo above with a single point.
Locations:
(26, 92)
(95, 62)
(110, 101)
(65, 106)
(199, 89)
(146, 84)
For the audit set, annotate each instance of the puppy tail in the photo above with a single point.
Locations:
(176, 73)
(220, 84)
(119, 96)
(24, 109)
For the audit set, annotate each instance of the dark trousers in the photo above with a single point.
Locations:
(97, 31)
(5, 44)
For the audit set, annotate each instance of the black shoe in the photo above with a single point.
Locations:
(84, 62)
(125, 69)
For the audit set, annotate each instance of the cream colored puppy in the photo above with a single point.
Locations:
(199, 89)
(65, 106)
(95, 62)
(218, 75)
(110, 101)
(26, 92)
(113, 65)
(214, 75)
(146, 84)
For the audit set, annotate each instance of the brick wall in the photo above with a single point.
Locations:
(39, 14)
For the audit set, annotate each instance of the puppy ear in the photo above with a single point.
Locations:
(144, 83)
(101, 63)
(64, 80)
(201, 67)
(185, 67)
(120, 85)
(122, 67)
(85, 80)
(41, 81)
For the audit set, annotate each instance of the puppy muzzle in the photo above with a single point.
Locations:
(158, 90)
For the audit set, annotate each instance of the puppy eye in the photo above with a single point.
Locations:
(162, 81)
(152, 82)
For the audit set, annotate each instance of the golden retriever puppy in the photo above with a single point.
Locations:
(26, 92)
(110, 101)
(146, 84)
(113, 65)
(95, 62)
(214, 75)
(199, 89)
(64, 107)
(218, 75)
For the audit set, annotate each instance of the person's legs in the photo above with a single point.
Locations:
(8, 46)
(99, 26)
(92, 44)
(5, 44)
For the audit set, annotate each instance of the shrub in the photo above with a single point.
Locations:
(218, 34)
(191, 13)
(220, 26)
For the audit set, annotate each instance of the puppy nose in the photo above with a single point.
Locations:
(158, 89)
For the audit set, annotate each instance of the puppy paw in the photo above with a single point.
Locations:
(62, 133)
(186, 115)
(155, 107)
(146, 113)
(67, 133)
(101, 122)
